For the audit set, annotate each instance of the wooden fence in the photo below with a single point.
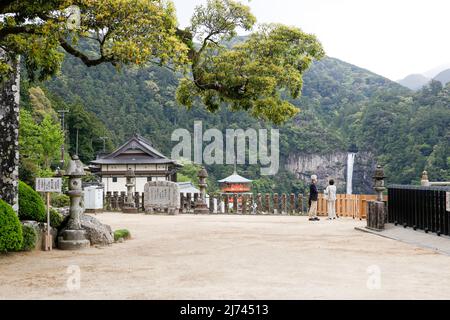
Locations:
(348, 205)
(353, 206)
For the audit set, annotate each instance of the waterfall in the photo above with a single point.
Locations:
(350, 162)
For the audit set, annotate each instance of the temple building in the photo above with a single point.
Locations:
(138, 154)
(235, 184)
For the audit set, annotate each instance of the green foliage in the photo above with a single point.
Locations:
(31, 205)
(251, 75)
(29, 238)
(10, 229)
(122, 233)
(55, 218)
(59, 200)
(39, 142)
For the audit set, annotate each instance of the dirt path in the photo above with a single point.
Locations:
(231, 257)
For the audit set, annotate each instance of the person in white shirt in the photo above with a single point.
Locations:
(330, 196)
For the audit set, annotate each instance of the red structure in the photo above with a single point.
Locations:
(235, 184)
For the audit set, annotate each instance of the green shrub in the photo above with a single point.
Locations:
(123, 233)
(59, 200)
(31, 205)
(29, 238)
(55, 218)
(10, 229)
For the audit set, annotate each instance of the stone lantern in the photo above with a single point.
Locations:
(74, 237)
(200, 205)
(129, 205)
(378, 179)
(424, 182)
(376, 215)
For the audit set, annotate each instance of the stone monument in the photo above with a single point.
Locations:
(74, 237)
(376, 215)
(130, 205)
(162, 197)
(200, 205)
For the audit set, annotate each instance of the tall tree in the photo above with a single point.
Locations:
(248, 76)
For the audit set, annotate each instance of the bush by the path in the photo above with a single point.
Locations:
(29, 238)
(55, 218)
(59, 200)
(31, 205)
(123, 233)
(10, 229)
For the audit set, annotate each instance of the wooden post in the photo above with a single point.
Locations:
(235, 203)
(292, 204)
(48, 237)
(284, 204)
(267, 204)
(276, 206)
(300, 203)
(226, 202)
(259, 205)
(244, 204)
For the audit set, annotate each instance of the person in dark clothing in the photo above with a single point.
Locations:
(313, 198)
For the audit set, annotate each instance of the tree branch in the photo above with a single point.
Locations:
(86, 60)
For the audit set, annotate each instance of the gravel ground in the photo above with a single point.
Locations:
(231, 257)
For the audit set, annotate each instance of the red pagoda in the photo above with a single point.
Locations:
(235, 184)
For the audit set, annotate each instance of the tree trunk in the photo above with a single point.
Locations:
(9, 136)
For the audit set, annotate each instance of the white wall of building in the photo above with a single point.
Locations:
(120, 185)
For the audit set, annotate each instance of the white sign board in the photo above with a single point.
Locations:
(448, 201)
(48, 184)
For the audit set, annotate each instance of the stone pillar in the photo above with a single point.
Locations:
(108, 201)
(189, 202)
(275, 204)
(122, 199)
(182, 203)
(292, 204)
(115, 201)
(129, 205)
(424, 182)
(376, 214)
(136, 200)
(200, 205)
(74, 237)
(283, 204)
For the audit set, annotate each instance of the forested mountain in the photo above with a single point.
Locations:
(414, 81)
(443, 77)
(342, 107)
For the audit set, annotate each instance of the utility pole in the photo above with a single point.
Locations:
(62, 115)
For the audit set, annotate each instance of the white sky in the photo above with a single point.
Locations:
(393, 38)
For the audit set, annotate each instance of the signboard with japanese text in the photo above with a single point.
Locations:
(48, 184)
